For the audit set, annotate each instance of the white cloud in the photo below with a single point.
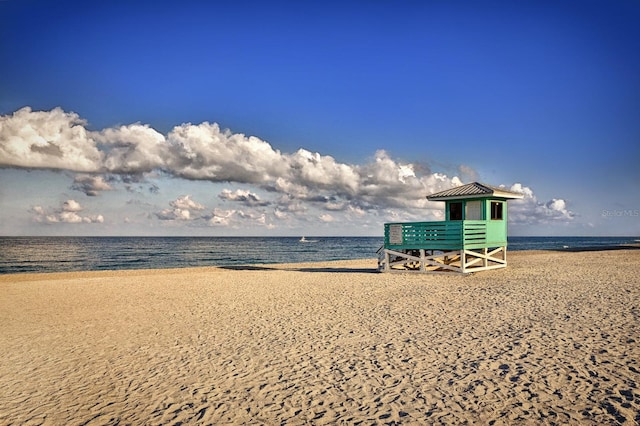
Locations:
(405, 171)
(322, 171)
(239, 218)
(38, 210)
(290, 204)
(388, 183)
(186, 203)
(93, 219)
(182, 209)
(221, 217)
(67, 213)
(356, 211)
(174, 214)
(259, 218)
(281, 215)
(204, 152)
(133, 149)
(326, 218)
(71, 206)
(243, 196)
(90, 185)
(529, 210)
(70, 217)
(48, 140)
(292, 189)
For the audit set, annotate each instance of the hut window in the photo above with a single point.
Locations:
(455, 211)
(473, 210)
(496, 210)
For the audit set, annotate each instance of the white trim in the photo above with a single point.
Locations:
(460, 261)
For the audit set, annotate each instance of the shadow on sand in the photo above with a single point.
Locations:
(247, 268)
(340, 270)
(375, 271)
(318, 269)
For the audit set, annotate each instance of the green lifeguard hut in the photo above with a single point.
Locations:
(472, 238)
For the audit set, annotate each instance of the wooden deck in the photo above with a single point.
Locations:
(448, 246)
(445, 235)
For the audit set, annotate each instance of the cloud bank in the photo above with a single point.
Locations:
(60, 140)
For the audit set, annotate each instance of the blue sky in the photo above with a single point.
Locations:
(326, 118)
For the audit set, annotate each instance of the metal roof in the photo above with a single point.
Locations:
(473, 190)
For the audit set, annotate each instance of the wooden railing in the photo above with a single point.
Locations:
(446, 235)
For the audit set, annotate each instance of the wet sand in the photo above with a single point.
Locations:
(552, 339)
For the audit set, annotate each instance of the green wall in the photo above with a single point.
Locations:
(496, 229)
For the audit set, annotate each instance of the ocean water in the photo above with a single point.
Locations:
(60, 254)
(568, 243)
(64, 254)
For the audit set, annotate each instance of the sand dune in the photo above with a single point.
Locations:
(326, 343)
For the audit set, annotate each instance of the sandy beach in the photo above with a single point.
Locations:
(552, 339)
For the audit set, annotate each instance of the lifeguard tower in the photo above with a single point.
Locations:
(472, 238)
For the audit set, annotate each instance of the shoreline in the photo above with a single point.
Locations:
(553, 338)
(25, 276)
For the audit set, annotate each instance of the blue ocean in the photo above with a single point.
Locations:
(64, 254)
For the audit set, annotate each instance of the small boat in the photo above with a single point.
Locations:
(304, 240)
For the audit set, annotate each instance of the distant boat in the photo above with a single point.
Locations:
(304, 240)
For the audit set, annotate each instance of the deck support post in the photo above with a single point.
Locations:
(438, 261)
